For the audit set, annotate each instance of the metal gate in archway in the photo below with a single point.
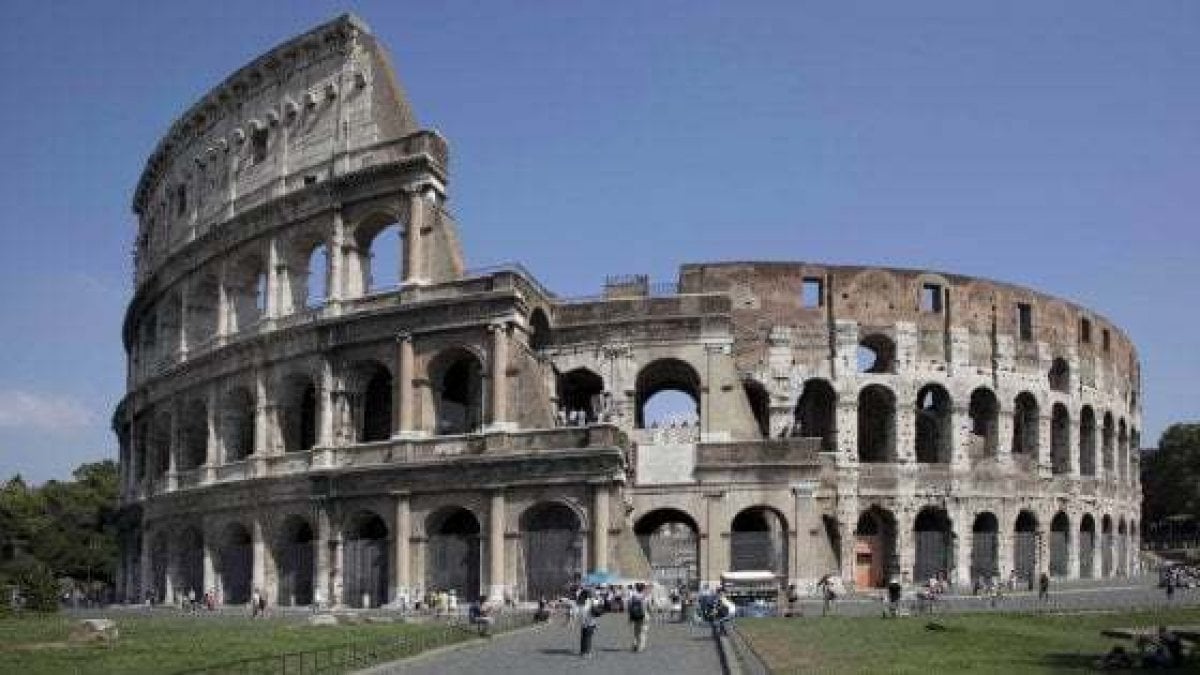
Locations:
(236, 564)
(553, 560)
(1122, 555)
(295, 563)
(933, 554)
(1060, 553)
(1025, 555)
(1106, 554)
(454, 564)
(1087, 554)
(366, 572)
(674, 557)
(985, 555)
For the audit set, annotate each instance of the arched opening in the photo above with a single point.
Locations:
(375, 411)
(875, 557)
(190, 561)
(1122, 549)
(1025, 547)
(758, 541)
(668, 393)
(580, 394)
(160, 557)
(202, 310)
(670, 540)
(246, 292)
(237, 424)
(876, 354)
(552, 548)
(1122, 450)
(453, 561)
(316, 277)
(1106, 546)
(236, 564)
(985, 547)
(1060, 439)
(294, 556)
(1087, 547)
(539, 330)
(365, 583)
(381, 255)
(298, 401)
(934, 440)
(170, 325)
(195, 435)
(760, 405)
(984, 411)
(876, 424)
(457, 377)
(1025, 425)
(1060, 545)
(1087, 441)
(816, 414)
(1060, 376)
(160, 444)
(934, 545)
(1106, 442)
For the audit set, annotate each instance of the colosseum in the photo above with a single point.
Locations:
(324, 402)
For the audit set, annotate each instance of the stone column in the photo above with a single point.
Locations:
(847, 428)
(173, 448)
(212, 447)
(403, 534)
(169, 577)
(905, 546)
(337, 259)
(322, 584)
(403, 398)
(1004, 433)
(600, 525)
(273, 268)
(803, 570)
(258, 573)
(147, 568)
(905, 434)
(960, 436)
(185, 292)
(499, 377)
(222, 304)
(715, 554)
(1073, 441)
(209, 571)
(1044, 468)
(412, 254)
(496, 525)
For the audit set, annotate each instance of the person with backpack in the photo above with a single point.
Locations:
(589, 610)
(636, 609)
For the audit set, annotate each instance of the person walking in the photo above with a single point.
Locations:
(589, 609)
(1044, 587)
(636, 608)
(255, 604)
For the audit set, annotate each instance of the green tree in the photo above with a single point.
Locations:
(1171, 475)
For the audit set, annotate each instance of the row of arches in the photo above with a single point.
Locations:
(244, 291)
(551, 549)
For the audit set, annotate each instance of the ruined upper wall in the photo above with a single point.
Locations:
(298, 115)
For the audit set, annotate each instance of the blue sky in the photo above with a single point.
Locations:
(1050, 144)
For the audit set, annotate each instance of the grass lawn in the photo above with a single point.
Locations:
(168, 643)
(974, 643)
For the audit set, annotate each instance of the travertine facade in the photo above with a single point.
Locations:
(297, 424)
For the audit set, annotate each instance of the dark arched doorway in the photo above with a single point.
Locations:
(294, 562)
(453, 560)
(670, 540)
(758, 541)
(365, 583)
(552, 547)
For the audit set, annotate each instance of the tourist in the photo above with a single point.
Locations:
(480, 615)
(724, 611)
(191, 601)
(1170, 587)
(1044, 587)
(793, 601)
(255, 604)
(542, 615)
(894, 593)
(637, 616)
(589, 609)
(828, 594)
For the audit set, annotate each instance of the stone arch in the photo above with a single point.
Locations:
(670, 540)
(306, 260)
(1060, 545)
(579, 394)
(1060, 376)
(1026, 532)
(202, 308)
(552, 548)
(1106, 442)
(160, 559)
(876, 354)
(170, 324)
(456, 376)
(934, 441)
(298, 412)
(1087, 547)
(1106, 546)
(372, 387)
(760, 405)
(379, 259)
(1025, 425)
(875, 557)
(1087, 441)
(365, 561)
(189, 561)
(1060, 439)
(246, 291)
(295, 561)
(816, 413)
(237, 424)
(1122, 567)
(985, 546)
(160, 442)
(667, 375)
(540, 333)
(453, 561)
(758, 540)
(876, 424)
(236, 563)
(194, 435)
(933, 536)
(984, 411)
(1122, 449)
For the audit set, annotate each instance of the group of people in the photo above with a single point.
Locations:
(590, 604)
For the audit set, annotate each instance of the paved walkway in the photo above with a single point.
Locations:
(672, 648)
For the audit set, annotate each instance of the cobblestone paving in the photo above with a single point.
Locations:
(672, 648)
